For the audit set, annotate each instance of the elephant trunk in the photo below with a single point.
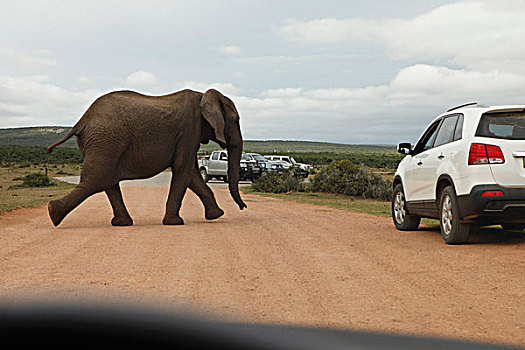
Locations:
(234, 159)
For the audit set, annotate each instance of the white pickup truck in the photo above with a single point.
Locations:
(216, 166)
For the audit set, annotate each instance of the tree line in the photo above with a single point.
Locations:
(11, 155)
(35, 155)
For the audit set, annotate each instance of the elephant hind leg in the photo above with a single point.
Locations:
(121, 216)
(57, 212)
(92, 180)
(58, 209)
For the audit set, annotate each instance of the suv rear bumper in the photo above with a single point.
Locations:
(510, 208)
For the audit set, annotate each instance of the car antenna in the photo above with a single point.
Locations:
(464, 105)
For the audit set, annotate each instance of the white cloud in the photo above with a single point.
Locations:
(389, 113)
(36, 61)
(283, 92)
(421, 80)
(372, 114)
(141, 79)
(29, 101)
(278, 59)
(329, 80)
(240, 75)
(84, 80)
(225, 88)
(231, 50)
(329, 30)
(480, 39)
(479, 35)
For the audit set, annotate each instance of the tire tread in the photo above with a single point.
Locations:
(411, 222)
(460, 231)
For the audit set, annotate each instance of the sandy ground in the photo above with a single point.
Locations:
(275, 262)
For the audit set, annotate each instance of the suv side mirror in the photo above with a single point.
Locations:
(404, 148)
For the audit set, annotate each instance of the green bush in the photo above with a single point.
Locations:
(34, 180)
(25, 156)
(344, 177)
(289, 180)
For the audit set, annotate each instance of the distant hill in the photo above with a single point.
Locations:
(281, 146)
(35, 136)
(45, 136)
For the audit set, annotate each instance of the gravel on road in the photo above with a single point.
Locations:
(275, 262)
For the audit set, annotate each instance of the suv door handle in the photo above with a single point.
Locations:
(420, 163)
(441, 156)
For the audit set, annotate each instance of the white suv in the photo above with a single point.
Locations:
(467, 170)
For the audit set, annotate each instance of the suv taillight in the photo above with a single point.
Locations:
(481, 153)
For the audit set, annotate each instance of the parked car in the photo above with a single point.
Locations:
(267, 164)
(216, 166)
(258, 159)
(283, 163)
(307, 168)
(467, 169)
(278, 166)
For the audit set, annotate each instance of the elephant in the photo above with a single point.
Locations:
(126, 135)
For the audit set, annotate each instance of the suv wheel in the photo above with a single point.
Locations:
(452, 230)
(402, 220)
(205, 175)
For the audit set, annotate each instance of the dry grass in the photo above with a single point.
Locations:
(368, 206)
(12, 198)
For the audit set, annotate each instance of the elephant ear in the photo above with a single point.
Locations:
(215, 109)
(212, 112)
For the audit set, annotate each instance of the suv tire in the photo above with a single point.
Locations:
(452, 230)
(402, 220)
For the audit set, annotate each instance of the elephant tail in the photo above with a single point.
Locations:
(72, 132)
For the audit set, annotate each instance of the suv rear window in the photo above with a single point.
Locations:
(504, 125)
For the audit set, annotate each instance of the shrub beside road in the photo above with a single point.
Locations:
(340, 177)
(341, 185)
(14, 194)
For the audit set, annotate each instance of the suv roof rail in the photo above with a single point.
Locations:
(463, 105)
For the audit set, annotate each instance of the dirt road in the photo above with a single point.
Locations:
(276, 262)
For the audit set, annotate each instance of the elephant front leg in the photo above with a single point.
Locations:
(121, 216)
(211, 208)
(179, 183)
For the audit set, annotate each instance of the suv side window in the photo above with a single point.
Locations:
(427, 139)
(215, 155)
(459, 128)
(446, 131)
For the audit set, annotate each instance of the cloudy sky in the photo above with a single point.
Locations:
(374, 71)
